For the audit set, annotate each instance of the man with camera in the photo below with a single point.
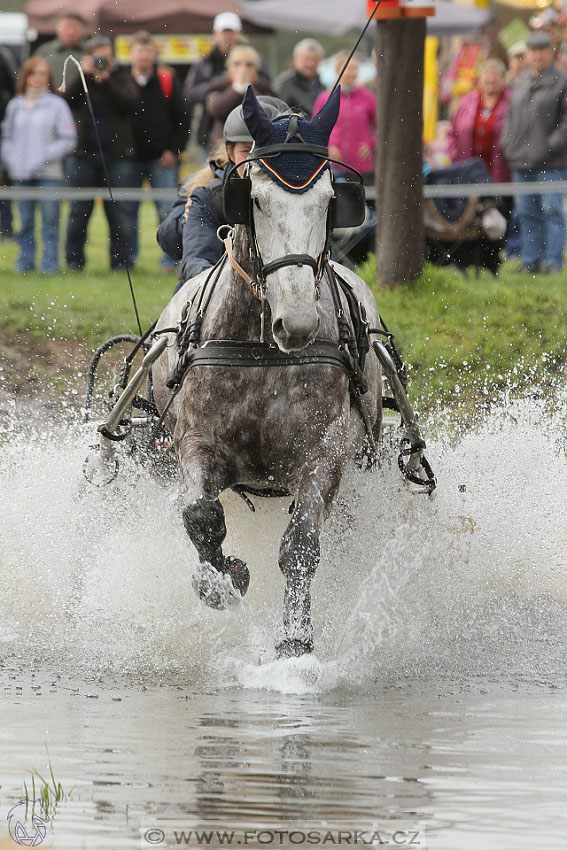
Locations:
(114, 98)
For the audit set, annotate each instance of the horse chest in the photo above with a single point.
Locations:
(254, 409)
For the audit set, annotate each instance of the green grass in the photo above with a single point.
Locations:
(50, 791)
(88, 306)
(465, 339)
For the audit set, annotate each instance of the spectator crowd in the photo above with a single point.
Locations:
(136, 121)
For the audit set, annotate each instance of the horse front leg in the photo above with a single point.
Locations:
(220, 579)
(298, 559)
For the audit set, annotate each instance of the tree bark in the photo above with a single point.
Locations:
(399, 150)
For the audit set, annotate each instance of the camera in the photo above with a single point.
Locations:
(101, 63)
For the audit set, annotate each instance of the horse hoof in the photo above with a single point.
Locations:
(294, 648)
(238, 572)
(205, 588)
(220, 589)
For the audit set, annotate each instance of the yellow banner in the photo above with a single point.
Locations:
(172, 49)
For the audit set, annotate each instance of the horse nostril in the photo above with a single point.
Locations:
(278, 328)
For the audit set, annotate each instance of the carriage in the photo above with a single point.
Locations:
(265, 373)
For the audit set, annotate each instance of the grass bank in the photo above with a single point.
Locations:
(465, 339)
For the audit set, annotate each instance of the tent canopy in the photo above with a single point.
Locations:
(335, 17)
(123, 17)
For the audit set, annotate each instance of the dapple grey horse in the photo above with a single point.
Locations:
(288, 427)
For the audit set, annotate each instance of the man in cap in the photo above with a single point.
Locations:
(227, 32)
(534, 142)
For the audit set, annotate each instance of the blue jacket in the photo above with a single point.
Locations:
(195, 241)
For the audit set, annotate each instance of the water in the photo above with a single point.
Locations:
(434, 709)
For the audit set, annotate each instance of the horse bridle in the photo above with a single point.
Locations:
(266, 269)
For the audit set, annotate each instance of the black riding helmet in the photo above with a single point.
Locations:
(235, 129)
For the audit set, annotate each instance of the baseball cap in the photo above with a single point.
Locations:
(539, 39)
(227, 21)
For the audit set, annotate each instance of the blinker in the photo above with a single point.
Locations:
(236, 200)
(346, 209)
(348, 206)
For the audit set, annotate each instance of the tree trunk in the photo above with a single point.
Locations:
(399, 150)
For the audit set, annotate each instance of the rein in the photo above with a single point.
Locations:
(257, 288)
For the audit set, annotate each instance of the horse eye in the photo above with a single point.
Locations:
(257, 202)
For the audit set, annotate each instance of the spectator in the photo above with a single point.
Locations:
(70, 39)
(516, 66)
(160, 126)
(561, 56)
(301, 86)
(189, 233)
(115, 98)
(516, 62)
(38, 131)
(353, 138)
(534, 142)
(226, 92)
(227, 33)
(477, 124)
(8, 79)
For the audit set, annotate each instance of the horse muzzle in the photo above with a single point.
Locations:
(293, 335)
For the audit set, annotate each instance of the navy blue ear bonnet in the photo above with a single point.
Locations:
(294, 171)
(293, 152)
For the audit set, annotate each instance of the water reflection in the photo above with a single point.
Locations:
(465, 758)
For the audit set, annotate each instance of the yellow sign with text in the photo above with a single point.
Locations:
(172, 49)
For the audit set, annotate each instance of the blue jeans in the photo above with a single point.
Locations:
(88, 171)
(158, 178)
(542, 220)
(49, 229)
(513, 237)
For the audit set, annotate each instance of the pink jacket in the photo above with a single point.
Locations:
(460, 136)
(356, 124)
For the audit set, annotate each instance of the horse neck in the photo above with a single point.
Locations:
(236, 312)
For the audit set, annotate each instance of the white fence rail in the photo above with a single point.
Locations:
(465, 190)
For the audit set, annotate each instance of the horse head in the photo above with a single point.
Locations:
(290, 195)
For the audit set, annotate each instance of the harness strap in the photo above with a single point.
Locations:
(254, 285)
(244, 353)
(290, 260)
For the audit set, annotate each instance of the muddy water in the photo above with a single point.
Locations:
(434, 713)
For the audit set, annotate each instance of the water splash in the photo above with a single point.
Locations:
(473, 582)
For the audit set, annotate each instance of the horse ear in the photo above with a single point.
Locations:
(255, 118)
(327, 116)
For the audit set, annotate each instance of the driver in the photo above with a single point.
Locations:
(189, 233)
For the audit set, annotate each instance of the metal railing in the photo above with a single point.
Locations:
(464, 190)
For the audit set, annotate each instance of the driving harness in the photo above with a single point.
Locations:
(347, 209)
